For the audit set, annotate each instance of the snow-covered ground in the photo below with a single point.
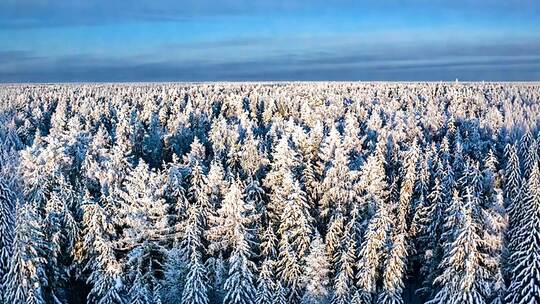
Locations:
(322, 192)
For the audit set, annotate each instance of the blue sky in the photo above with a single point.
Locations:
(204, 40)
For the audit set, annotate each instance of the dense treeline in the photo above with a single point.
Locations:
(270, 193)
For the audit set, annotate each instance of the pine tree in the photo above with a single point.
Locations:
(513, 195)
(296, 219)
(336, 188)
(198, 188)
(233, 213)
(256, 196)
(327, 150)
(26, 279)
(373, 179)
(280, 295)
(289, 269)
(429, 232)
(371, 252)
(525, 281)
(143, 207)
(251, 157)
(216, 183)
(239, 285)
(525, 144)
(217, 278)
(105, 271)
(152, 146)
(178, 258)
(495, 221)
(343, 287)
(175, 268)
(175, 195)
(284, 162)
(144, 215)
(531, 158)
(512, 177)
(60, 237)
(269, 243)
(140, 292)
(423, 207)
(407, 185)
(395, 268)
(266, 285)
(357, 298)
(195, 290)
(232, 232)
(316, 274)
(7, 225)
(464, 278)
(334, 236)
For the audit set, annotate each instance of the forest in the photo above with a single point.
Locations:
(270, 193)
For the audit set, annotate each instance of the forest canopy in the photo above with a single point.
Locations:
(270, 193)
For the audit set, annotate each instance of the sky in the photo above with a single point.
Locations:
(267, 40)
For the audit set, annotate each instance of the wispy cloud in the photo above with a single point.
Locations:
(39, 13)
(501, 62)
(14, 56)
(102, 40)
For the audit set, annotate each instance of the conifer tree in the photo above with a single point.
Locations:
(7, 225)
(373, 177)
(280, 295)
(316, 274)
(198, 191)
(266, 285)
(395, 267)
(233, 214)
(195, 290)
(269, 243)
(296, 219)
(152, 146)
(284, 162)
(217, 278)
(105, 271)
(343, 287)
(495, 222)
(334, 236)
(289, 269)
(464, 278)
(525, 281)
(513, 191)
(26, 279)
(175, 268)
(336, 188)
(239, 286)
(371, 252)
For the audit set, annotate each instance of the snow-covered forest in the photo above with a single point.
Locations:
(270, 193)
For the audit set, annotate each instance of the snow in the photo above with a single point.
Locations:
(270, 193)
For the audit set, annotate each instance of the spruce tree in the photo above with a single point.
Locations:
(195, 289)
(343, 286)
(316, 274)
(371, 253)
(464, 278)
(296, 219)
(525, 281)
(239, 286)
(289, 270)
(7, 225)
(105, 270)
(26, 279)
(266, 285)
(395, 268)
